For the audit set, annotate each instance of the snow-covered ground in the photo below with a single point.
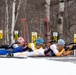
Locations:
(33, 66)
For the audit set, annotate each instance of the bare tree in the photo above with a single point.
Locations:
(7, 22)
(47, 15)
(14, 18)
(18, 10)
(13, 21)
(60, 18)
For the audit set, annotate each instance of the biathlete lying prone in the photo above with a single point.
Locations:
(18, 46)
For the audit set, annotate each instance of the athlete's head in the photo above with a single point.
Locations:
(39, 42)
(20, 40)
(61, 42)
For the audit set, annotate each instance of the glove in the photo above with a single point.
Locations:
(73, 47)
(66, 48)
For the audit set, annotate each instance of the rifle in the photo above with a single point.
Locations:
(67, 46)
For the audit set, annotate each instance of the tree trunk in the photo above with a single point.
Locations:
(7, 23)
(18, 10)
(60, 18)
(47, 15)
(13, 21)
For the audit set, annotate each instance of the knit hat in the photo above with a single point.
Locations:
(39, 41)
(61, 42)
(20, 40)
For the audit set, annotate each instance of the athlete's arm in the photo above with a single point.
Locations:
(32, 46)
(56, 52)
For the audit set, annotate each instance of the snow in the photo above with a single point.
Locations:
(33, 66)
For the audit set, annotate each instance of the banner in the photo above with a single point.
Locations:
(16, 34)
(74, 38)
(33, 37)
(55, 36)
(1, 34)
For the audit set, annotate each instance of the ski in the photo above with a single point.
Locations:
(19, 57)
(15, 57)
